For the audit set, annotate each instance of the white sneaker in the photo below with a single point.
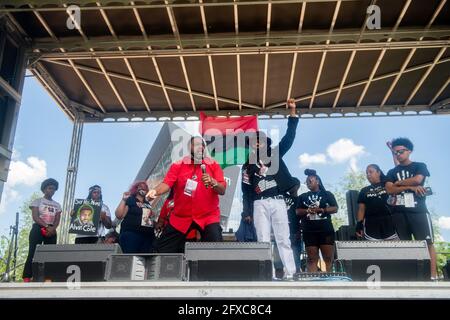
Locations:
(289, 277)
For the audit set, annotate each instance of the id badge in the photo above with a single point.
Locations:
(400, 201)
(190, 187)
(409, 200)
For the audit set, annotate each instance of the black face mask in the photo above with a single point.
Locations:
(142, 192)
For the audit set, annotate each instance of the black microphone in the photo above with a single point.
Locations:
(204, 171)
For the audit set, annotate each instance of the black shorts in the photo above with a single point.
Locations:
(417, 225)
(379, 228)
(317, 239)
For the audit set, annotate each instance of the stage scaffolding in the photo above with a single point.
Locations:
(168, 60)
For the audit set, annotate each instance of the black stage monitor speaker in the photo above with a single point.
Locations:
(229, 261)
(384, 260)
(51, 262)
(146, 267)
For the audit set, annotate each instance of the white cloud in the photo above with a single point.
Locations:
(9, 195)
(444, 223)
(307, 159)
(342, 151)
(27, 173)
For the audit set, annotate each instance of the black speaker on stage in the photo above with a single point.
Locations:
(51, 262)
(352, 206)
(384, 260)
(146, 267)
(346, 233)
(229, 261)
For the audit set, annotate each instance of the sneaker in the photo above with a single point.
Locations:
(277, 279)
(289, 277)
(279, 273)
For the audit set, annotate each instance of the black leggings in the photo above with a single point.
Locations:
(35, 238)
(173, 241)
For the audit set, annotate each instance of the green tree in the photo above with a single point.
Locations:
(442, 247)
(25, 223)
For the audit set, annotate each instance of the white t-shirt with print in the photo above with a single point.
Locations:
(47, 209)
(101, 231)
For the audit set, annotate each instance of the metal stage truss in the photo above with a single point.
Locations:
(168, 60)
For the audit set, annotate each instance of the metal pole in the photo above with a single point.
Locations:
(71, 178)
(16, 232)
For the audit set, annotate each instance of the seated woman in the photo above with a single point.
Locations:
(374, 215)
(137, 226)
(315, 208)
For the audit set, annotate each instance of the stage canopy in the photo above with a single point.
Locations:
(156, 60)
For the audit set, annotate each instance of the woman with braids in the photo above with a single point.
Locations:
(315, 208)
(374, 214)
(46, 214)
(95, 194)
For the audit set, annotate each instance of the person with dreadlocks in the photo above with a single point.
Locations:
(95, 194)
(46, 214)
(315, 208)
(265, 180)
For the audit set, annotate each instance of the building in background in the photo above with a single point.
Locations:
(12, 72)
(166, 149)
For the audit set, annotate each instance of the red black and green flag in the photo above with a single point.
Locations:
(227, 137)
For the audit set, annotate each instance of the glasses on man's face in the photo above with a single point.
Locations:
(400, 152)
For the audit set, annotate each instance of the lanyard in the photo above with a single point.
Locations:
(194, 175)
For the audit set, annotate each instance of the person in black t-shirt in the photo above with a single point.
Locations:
(374, 214)
(405, 185)
(315, 208)
(137, 228)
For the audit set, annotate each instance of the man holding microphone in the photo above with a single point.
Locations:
(196, 181)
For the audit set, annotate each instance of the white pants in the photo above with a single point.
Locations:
(269, 213)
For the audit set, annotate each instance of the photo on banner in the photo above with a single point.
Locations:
(86, 217)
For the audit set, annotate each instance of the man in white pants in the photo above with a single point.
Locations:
(265, 178)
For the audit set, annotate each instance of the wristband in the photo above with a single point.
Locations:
(359, 226)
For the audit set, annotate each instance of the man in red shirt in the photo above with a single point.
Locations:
(197, 182)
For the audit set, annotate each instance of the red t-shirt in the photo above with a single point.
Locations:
(203, 206)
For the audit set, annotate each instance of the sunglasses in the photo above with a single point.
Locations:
(400, 152)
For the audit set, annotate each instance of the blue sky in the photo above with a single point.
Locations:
(111, 154)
